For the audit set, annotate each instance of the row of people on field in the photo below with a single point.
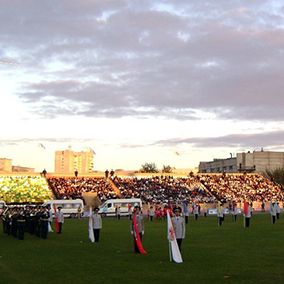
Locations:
(19, 220)
(35, 220)
(138, 232)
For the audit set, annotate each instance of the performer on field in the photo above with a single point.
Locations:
(97, 224)
(179, 226)
(137, 229)
(60, 218)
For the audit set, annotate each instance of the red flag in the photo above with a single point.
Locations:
(137, 236)
(246, 205)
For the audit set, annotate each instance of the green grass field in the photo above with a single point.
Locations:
(212, 254)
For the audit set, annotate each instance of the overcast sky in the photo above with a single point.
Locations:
(170, 82)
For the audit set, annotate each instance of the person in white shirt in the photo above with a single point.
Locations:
(151, 213)
(97, 224)
(196, 211)
(234, 211)
(220, 213)
(60, 218)
(273, 211)
(179, 226)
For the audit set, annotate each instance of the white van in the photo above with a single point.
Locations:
(109, 206)
(70, 207)
(2, 206)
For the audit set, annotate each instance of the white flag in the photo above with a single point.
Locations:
(91, 232)
(175, 254)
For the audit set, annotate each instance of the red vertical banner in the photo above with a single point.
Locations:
(246, 206)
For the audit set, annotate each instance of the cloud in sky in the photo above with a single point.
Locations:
(246, 141)
(187, 61)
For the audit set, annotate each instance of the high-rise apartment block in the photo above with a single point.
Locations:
(68, 161)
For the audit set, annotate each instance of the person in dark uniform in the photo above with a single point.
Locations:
(44, 172)
(32, 221)
(44, 219)
(37, 221)
(111, 173)
(4, 218)
(21, 220)
(8, 221)
(14, 224)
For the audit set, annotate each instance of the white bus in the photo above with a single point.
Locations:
(70, 207)
(109, 206)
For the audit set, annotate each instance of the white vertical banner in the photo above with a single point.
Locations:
(91, 232)
(175, 254)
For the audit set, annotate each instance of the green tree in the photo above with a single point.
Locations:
(167, 169)
(149, 168)
(276, 175)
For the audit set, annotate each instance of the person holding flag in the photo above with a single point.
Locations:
(90, 226)
(97, 224)
(247, 214)
(179, 228)
(92, 201)
(137, 229)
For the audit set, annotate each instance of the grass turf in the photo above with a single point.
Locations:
(212, 254)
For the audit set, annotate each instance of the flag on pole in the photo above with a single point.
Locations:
(246, 205)
(91, 232)
(246, 211)
(175, 254)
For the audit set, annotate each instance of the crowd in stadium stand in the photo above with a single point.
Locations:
(195, 188)
(73, 188)
(232, 187)
(161, 189)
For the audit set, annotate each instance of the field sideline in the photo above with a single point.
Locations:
(212, 254)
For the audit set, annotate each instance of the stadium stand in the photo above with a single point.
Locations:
(73, 188)
(24, 189)
(195, 188)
